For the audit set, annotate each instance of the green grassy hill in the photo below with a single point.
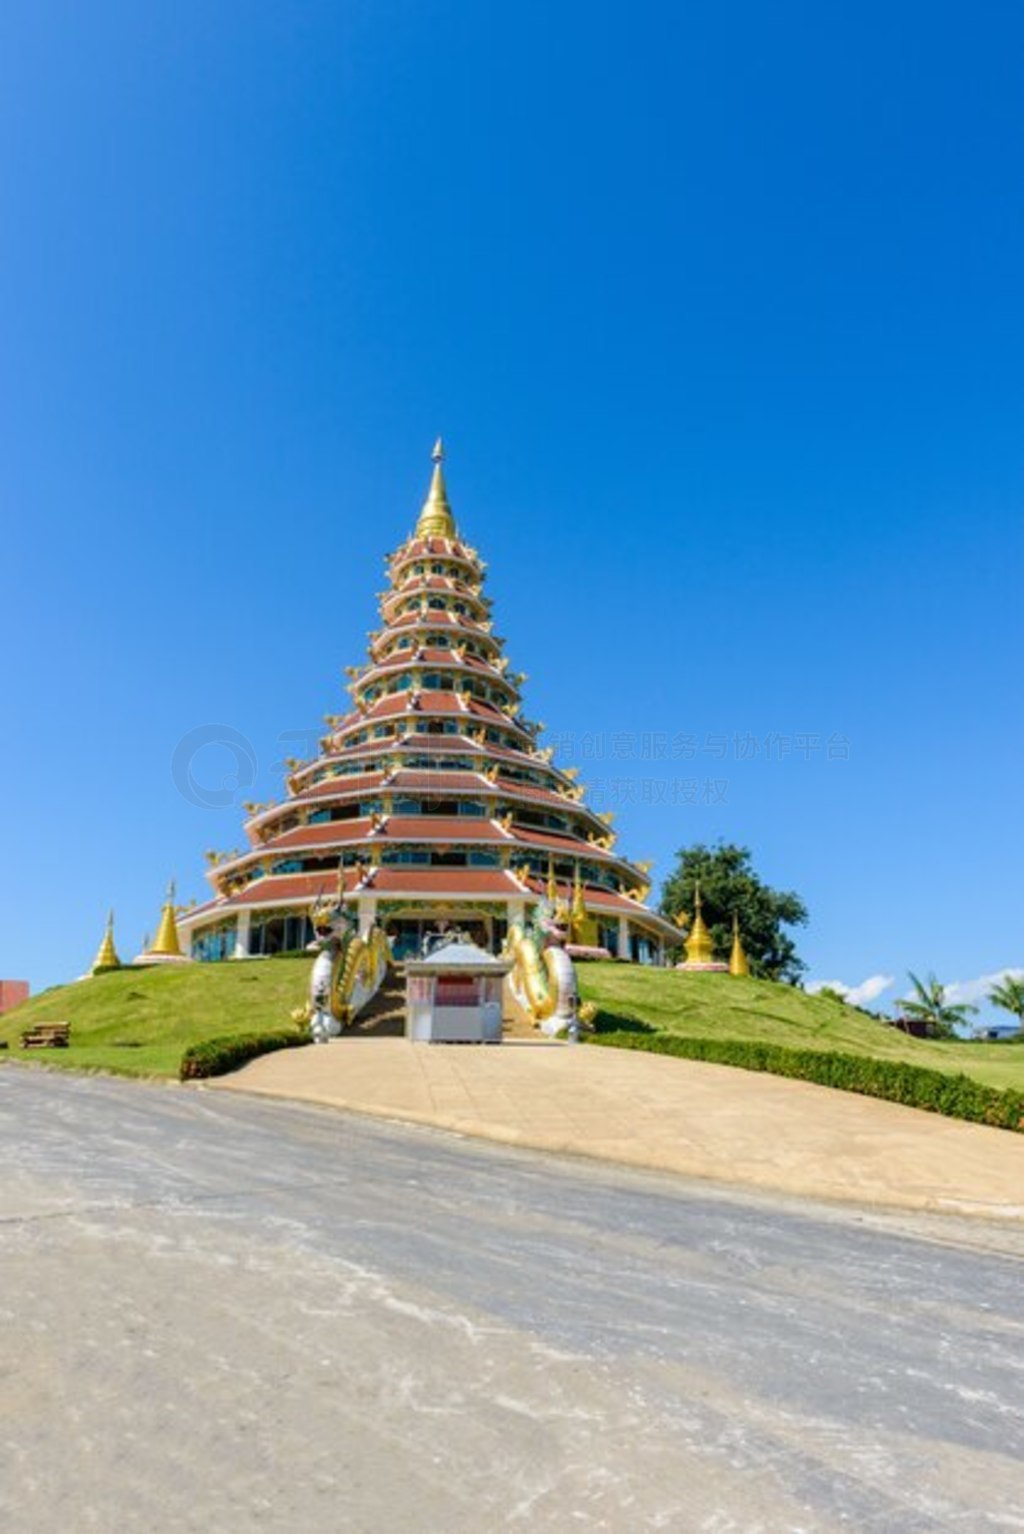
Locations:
(721, 1006)
(139, 1022)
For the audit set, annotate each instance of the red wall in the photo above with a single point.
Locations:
(11, 992)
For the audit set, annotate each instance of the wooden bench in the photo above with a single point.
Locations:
(47, 1036)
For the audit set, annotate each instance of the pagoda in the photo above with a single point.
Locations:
(700, 949)
(430, 803)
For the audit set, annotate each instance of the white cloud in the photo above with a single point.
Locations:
(975, 991)
(860, 995)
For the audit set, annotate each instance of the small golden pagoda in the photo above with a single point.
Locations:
(166, 949)
(106, 956)
(699, 947)
(737, 959)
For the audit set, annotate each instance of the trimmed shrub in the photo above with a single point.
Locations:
(216, 1057)
(894, 1081)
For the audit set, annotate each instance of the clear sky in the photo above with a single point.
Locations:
(720, 311)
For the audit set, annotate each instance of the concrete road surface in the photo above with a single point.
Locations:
(226, 1314)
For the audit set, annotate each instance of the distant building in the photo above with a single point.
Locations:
(11, 992)
(997, 1031)
(917, 1027)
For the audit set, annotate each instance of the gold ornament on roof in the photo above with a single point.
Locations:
(436, 520)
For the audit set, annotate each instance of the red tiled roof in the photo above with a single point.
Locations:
(444, 881)
(447, 828)
(324, 831)
(440, 782)
(556, 840)
(356, 782)
(290, 887)
(421, 547)
(428, 582)
(412, 828)
(432, 655)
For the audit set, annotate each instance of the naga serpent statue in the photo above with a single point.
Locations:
(347, 971)
(543, 980)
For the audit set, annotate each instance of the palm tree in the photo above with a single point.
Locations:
(929, 1005)
(1009, 994)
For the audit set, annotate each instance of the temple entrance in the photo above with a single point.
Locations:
(407, 933)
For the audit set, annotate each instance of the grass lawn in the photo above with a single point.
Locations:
(727, 1007)
(139, 1022)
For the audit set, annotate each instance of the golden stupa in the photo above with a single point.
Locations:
(700, 949)
(165, 949)
(106, 955)
(737, 959)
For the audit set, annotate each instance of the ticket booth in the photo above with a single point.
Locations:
(453, 996)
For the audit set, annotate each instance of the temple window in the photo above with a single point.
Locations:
(279, 932)
(213, 943)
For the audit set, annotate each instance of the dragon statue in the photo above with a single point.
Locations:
(347, 971)
(543, 980)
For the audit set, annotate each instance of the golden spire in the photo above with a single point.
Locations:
(698, 945)
(436, 520)
(106, 957)
(737, 959)
(552, 881)
(167, 932)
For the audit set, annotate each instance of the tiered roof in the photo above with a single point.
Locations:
(432, 783)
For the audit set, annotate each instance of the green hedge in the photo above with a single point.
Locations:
(216, 1057)
(957, 1097)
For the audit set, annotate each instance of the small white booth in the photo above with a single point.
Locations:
(453, 995)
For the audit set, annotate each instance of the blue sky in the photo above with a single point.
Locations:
(719, 309)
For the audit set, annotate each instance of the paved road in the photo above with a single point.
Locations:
(224, 1314)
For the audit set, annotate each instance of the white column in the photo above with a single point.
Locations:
(366, 909)
(516, 911)
(623, 938)
(242, 934)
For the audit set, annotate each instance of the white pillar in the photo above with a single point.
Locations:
(242, 934)
(366, 909)
(516, 911)
(623, 938)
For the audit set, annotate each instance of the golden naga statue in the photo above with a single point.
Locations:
(543, 980)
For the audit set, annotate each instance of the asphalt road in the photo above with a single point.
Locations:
(225, 1314)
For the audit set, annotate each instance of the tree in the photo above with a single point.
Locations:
(729, 886)
(929, 1005)
(1009, 994)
